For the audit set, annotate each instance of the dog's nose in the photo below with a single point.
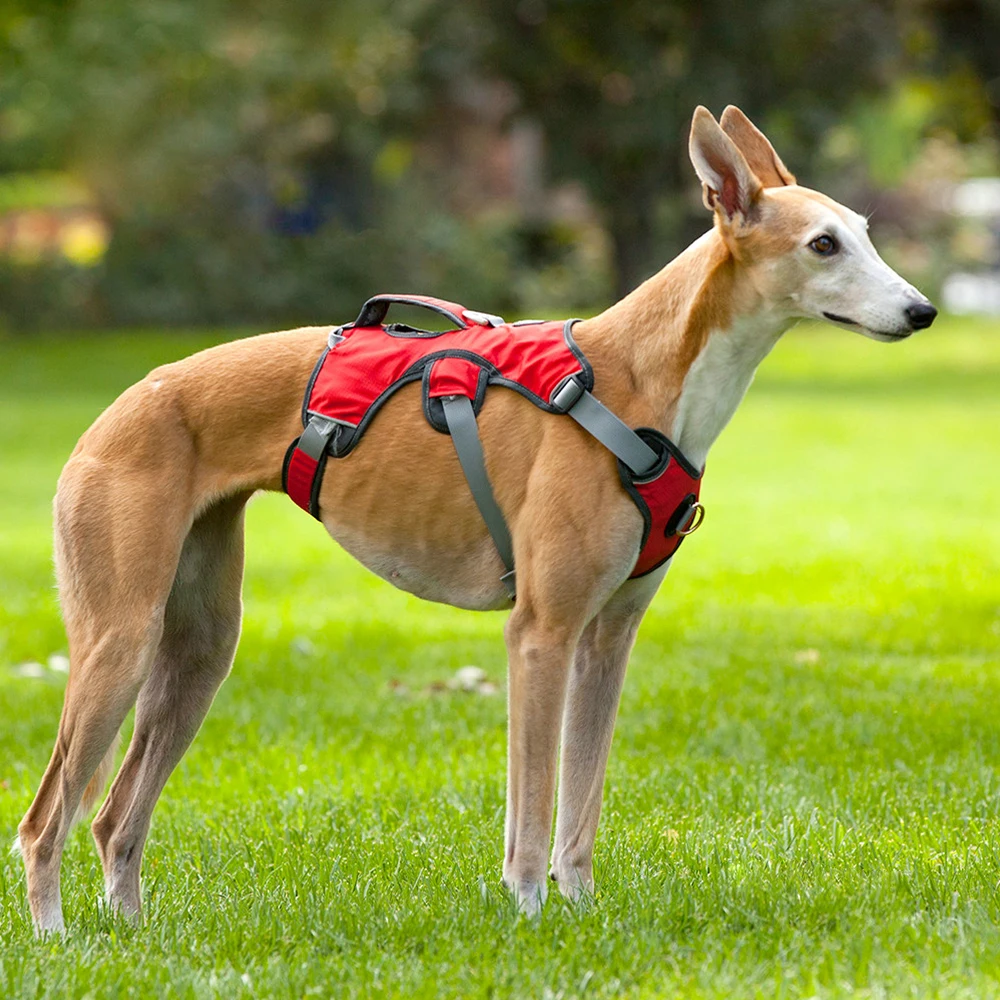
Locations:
(921, 315)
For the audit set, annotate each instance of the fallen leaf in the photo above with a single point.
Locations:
(303, 646)
(29, 669)
(59, 663)
(467, 678)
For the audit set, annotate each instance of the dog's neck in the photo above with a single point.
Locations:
(680, 351)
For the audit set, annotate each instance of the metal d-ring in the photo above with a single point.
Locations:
(697, 515)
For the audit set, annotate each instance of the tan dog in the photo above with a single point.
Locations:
(149, 518)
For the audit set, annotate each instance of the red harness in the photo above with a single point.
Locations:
(366, 362)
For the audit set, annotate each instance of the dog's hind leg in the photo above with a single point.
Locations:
(201, 629)
(595, 686)
(116, 553)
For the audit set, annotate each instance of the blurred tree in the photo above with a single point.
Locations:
(207, 132)
(157, 101)
(615, 84)
(271, 160)
(965, 32)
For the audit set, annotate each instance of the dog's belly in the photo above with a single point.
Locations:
(470, 579)
(400, 504)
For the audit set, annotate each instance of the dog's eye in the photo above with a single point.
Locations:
(824, 245)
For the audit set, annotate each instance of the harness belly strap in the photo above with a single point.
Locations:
(365, 362)
(461, 419)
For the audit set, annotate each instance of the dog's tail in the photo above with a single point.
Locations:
(95, 789)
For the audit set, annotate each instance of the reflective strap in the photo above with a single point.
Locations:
(595, 418)
(461, 420)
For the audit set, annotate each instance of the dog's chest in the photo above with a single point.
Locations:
(718, 380)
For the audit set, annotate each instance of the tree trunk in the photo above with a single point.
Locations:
(631, 226)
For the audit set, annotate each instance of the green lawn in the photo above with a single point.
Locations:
(803, 798)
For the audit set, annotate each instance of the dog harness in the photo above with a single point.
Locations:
(366, 361)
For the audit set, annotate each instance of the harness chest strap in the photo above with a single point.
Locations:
(661, 483)
(595, 418)
(573, 400)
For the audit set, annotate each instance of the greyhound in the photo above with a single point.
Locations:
(149, 518)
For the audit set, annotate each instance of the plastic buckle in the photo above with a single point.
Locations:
(481, 318)
(316, 436)
(567, 395)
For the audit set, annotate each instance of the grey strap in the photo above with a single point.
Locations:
(316, 435)
(461, 420)
(595, 418)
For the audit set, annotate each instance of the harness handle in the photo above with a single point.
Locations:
(374, 311)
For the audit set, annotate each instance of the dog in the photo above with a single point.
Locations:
(149, 517)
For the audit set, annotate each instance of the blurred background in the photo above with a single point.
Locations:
(164, 162)
(804, 795)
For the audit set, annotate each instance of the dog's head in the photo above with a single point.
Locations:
(805, 253)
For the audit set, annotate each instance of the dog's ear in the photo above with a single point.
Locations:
(729, 186)
(756, 149)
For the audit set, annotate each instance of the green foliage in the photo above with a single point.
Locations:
(195, 124)
(616, 91)
(277, 162)
(40, 189)
(802, 798)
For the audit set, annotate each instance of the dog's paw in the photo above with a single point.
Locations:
(529, 896)
(50, 925)
(575, 884)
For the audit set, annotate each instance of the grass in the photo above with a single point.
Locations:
(803, 797)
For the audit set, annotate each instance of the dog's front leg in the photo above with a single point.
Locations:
(539, 652)
(566, 573)
(595, 686)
